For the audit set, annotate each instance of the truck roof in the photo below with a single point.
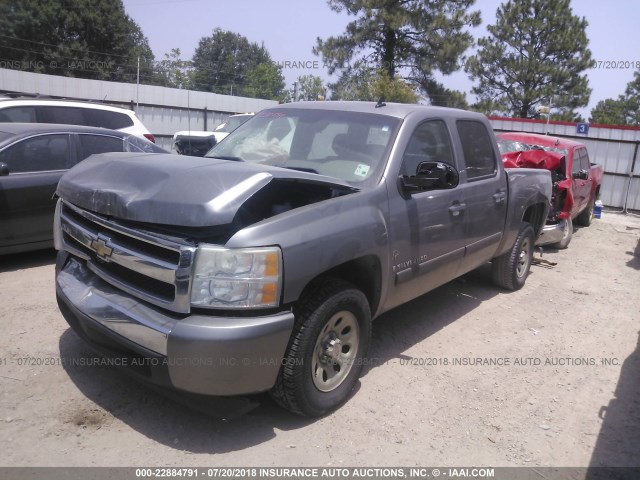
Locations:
(399, 110)
(539, 139)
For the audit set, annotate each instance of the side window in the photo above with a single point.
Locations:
(479, 157)
(430, 142)
(18, 114)
(107, 119)
(38, 154)
(584, 160)
(575, 167)
(91, 144)
(63, 115)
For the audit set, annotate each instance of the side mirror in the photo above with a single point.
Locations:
(430, 176)
(4, 169)
(581, 175)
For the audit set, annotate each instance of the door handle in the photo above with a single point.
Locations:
(457, 209)
(499, 197)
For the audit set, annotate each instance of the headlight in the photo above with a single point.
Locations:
(58, 244)
(237, 278)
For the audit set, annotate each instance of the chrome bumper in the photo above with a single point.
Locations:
(211, 355)
(552, 233)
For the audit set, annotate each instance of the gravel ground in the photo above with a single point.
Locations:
(465, 375)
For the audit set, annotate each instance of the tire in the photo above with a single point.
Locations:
(586, 216)
(316, 377)
(566, 236)
(510, 270)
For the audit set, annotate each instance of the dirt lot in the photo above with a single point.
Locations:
(466, 375)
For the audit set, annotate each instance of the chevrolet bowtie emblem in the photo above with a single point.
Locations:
(101, 249)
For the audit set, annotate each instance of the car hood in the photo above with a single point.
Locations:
(179, 190)
(533, 159)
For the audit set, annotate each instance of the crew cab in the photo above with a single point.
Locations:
(576, 181)
(260, 266)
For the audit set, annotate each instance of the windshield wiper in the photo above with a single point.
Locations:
(223, 157)
(301, 169)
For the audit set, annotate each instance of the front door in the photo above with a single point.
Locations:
(427, 228)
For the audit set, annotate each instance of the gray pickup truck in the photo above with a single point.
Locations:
(260, 266)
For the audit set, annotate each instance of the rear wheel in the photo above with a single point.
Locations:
(567, 234)
(510, 270)
(327, 349)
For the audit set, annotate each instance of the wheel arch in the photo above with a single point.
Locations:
(536, 215)
(365, 273)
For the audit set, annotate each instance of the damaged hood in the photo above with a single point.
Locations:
(533, 159)
(173, 189)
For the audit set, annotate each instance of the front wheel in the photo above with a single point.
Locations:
(567, 235)
(327, 350)
(510, 270)
(586, 216)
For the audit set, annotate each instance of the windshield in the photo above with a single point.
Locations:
(232, 123)
(136, 144)
(508, 146)
(349, 146)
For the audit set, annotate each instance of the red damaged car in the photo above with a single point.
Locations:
(576, 181)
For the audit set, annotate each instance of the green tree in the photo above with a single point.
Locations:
(310, 88)
(265, 81)
(93, 39)
(632, 101)
(625, 110)
(173, 71)
(537, 50)
(411, 38)
(362, 83)
(224, 61)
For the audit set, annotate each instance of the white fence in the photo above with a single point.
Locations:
(613, 147)
(164, 111)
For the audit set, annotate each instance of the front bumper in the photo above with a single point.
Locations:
(198, 353)
(551, 233)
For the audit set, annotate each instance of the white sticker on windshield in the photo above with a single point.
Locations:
(362, 170)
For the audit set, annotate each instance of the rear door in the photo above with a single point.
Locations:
(26, 194)
(90, 144)
(483, 193)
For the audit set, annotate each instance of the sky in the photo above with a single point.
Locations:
(289, 29)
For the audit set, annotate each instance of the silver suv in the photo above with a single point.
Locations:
(32, 110)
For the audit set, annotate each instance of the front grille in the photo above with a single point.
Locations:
(154, 269)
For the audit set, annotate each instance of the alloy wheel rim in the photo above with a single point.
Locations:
(335, 351)
(523, 258)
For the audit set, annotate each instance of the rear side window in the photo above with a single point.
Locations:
(86, 116)
(429, 143)
(107, 119)
(479, 157)
(18, 114)
(38, 154)
(63, 115)
(91, 144)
